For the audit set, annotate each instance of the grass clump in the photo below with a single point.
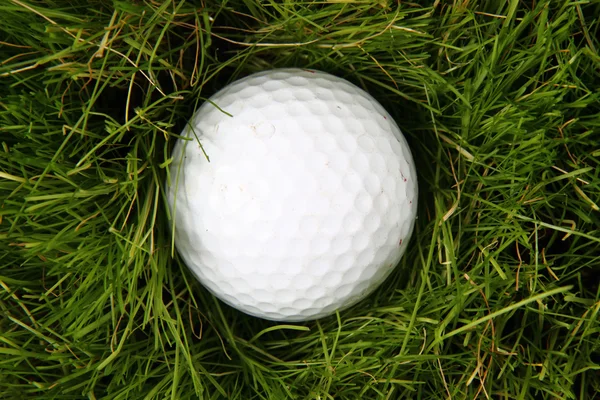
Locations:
(498, 296)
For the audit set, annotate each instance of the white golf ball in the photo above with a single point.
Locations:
(293, 193)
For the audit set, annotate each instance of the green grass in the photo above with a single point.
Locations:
(498, 296)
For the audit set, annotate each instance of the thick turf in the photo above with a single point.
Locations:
(498, 296)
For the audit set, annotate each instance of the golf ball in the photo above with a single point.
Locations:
(293, 194)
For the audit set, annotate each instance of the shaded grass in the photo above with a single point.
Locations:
(498, 296)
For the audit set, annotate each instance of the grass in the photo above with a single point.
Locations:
(497, 298)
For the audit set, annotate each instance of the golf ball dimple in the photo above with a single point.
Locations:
(307, 199)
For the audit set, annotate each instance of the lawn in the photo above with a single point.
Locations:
(497, 297)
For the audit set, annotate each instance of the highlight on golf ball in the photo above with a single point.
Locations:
(293, 193)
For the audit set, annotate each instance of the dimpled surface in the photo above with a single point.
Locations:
(308, 200)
